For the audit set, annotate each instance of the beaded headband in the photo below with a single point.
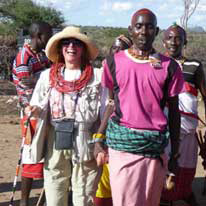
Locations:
(139, 12)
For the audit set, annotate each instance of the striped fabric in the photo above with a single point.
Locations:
(191, 89)
(193, 74)
(191, 69)
(27, 64)
(147, 143)
(32, 170)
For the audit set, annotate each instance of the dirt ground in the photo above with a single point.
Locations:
(10, 141)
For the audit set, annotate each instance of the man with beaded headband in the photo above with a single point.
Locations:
(28, 64)
(174, 41)
(140, 82)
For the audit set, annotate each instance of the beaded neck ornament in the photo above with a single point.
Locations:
(152, 56)
(32, 49)
(135, 55)
(181, 60)
(37, 54)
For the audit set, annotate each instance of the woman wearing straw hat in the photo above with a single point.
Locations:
(74, 102)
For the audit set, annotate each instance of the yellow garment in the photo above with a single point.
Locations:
(104, 189)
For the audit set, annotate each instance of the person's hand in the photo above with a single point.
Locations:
(201, 137)
(33, 111)
(101, 158)
(28, 82)
(170, 182)
(100, 154)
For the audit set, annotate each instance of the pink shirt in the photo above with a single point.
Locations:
(138, 89)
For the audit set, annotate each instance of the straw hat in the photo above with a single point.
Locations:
(69, 32)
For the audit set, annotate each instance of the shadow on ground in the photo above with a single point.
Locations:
(8, 187)
(198, 186)
(32, 201)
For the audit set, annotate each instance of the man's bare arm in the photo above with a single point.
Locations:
(99, 148)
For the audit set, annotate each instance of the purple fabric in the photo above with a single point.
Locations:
(141, 90)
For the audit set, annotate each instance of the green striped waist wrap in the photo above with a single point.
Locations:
(148, 143)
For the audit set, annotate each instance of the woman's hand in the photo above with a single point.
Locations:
(102, 158)
(32, 111)
(28, 82)
(100, 154)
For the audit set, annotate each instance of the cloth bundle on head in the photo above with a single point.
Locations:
(125, 39)
(52, 50)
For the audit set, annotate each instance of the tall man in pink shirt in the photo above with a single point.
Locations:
(140, 82)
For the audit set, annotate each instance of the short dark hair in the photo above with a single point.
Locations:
(38, 27)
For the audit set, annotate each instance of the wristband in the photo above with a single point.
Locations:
(97, 137)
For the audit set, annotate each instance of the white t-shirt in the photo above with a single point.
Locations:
(72, 74)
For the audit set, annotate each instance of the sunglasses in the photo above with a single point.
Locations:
(75, 42)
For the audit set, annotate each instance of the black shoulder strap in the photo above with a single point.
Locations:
(112, 68)
(111, 64)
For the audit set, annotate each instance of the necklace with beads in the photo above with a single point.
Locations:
(138, 56)
(31, 48)
(181, 60)
(152, 57)
(35, 52)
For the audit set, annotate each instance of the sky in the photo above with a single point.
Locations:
(117, 13)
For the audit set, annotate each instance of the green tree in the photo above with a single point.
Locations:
(20, 13)
(14, 16)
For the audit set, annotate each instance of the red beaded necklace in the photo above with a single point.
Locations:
(57, 80)
(151, 56)
(135, 55)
